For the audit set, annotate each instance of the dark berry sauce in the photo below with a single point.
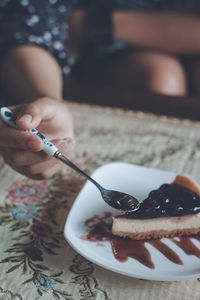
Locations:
(99, 230)
(167, 201)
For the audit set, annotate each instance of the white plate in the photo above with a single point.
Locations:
(138, 181)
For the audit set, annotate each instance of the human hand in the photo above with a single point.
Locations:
(22, 150)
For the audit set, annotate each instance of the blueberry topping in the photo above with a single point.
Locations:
(168, 200)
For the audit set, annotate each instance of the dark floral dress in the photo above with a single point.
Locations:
(45, 22)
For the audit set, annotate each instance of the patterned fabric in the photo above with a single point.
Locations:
(45, 23)
(36, 263)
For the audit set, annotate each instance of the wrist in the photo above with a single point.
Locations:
(100, 28)
(126, 25)
(77, 27)
(118, 23)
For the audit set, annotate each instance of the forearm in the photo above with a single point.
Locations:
(28, 73)
(173, 32)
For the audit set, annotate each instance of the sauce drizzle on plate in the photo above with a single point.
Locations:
(99, 230)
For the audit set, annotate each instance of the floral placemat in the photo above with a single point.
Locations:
(35, 260)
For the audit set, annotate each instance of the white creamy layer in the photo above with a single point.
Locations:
(156, 224)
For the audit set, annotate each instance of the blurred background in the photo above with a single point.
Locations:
(146, 57)
(137, 54)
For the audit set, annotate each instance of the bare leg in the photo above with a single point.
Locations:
(153, 67)
(30, 72)
(141, 70)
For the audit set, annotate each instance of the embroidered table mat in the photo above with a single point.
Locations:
(36, 263)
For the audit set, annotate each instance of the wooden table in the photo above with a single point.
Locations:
(104, 95)
(36, 261)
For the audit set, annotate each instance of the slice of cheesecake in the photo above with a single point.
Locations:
(171, 210)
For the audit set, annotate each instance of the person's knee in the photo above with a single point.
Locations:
(165, 75)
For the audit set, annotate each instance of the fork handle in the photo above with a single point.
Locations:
(8, 117)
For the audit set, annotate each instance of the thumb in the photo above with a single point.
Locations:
(32, 114)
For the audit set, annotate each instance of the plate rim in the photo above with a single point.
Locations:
(67, 235)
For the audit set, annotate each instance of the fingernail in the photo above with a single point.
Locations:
(70, 141)
(67, 147)
(26, 118)
(33, 145)
(71, 146)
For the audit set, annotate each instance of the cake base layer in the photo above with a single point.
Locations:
(157, 227)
